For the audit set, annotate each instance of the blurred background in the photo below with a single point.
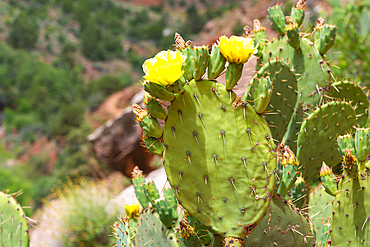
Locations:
(69, 66)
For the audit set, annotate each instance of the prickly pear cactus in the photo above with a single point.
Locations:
(320, 211)
(281, 107)
(351, 213)
(230, 174)
(284, 225)
(219, 154)
(317, 137)
(13, 223)
(354, 93)
(123, 233)
(150, 231)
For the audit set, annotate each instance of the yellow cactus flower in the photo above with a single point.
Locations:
(236, 49)
(164, 68)
(132, 211)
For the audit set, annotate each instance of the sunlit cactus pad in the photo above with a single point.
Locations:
(219, 158)
(13, 223)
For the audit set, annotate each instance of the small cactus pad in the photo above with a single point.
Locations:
(151, 232)
(276, 16)
(318, 136)
(283, 99)
(320, 207)
(283, 225)
(138, 181)
(13, 223)
(122, 233)
(355, 93)
(350, 221)
(298, 193)
(217, 177)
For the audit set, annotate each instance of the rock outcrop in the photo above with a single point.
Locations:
(117, 142)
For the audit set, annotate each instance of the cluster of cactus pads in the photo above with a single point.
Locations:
(13, 223)
(246, 170)
(241, 167)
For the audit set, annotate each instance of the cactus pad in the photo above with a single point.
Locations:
(354, 93)
(219, 178)
(283, 225)
(283, 99)
(318, 135)
(13, 223)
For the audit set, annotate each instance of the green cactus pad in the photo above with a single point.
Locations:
(164, 210)
(288, 178)
(311, 71)
(262, 94)
(170, 197)
(326, 35)
(202, 231)
(158, 91)
(277, 18)
(354, 93)
(151, 232)
(320, 211)
(123, 234)
(362, 143)
(350, 221)
(345, 142)
(297, 15)
(188, 66)
(283, 225)
(233, 74)
(200, 60)
(13, 223)
(298, 193)
(154, 145)
(154, 107)
(283, 99)
(216, 63)
(138, 182)
(177, 86)
(150, 125)
(318, 135)
(151, 191)
(219, 158)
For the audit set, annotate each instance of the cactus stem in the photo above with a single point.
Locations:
(180, 117)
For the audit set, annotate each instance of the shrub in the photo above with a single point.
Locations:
(85, 219)
(23, 32)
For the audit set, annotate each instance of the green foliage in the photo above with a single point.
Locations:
(95, 92)
(86, 222)
(24, 32)
(352, 43)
